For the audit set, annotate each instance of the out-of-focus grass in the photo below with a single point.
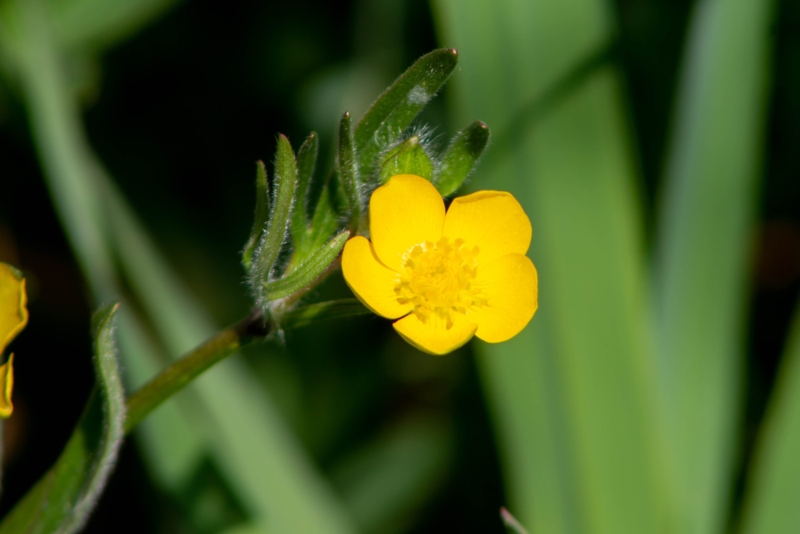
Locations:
(617, 413)
(703, 245)
(574, 394)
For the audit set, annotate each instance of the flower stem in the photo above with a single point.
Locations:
(182, 372)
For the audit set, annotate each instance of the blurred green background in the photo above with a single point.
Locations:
(652, 142)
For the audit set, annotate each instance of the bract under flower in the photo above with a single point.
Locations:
(13, 318)
(445, 275)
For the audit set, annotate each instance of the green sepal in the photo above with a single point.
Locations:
(62, 500)
(306, 161)
(394, 110)
(348, 172)
(272, 240)
(409, 157)
(322, 311)
(308, 271)
(460, 157)
(260, 216)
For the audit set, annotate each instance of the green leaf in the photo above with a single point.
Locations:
(272, 240)
(259, 457)
(773, 484)
(306, 161)
(260, 216)
(69, 168)
(323, 311)
(572, 396)
(349, 173)
(392, 113)
(703, 248)
(460, 158)
(265, 466)
(63, 499)
(302, 277)
(409, 157)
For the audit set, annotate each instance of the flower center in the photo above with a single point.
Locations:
(438, 278)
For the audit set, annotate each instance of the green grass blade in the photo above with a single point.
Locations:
(69, 169)
(65, 496)
(267, 468)
(572, 395)
(60, 141)
(263, 464)
(773, 489)
(703, 247)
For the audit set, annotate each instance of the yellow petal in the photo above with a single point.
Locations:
(492, 220)
(371, 281)
(13, 313)
(6, 387)
(407, 211)
(510, 286)
(433, 336)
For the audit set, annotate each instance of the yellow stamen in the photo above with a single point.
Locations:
(438, 278)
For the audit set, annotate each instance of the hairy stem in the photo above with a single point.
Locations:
(182, 372)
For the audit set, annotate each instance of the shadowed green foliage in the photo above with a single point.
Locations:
(67, 494)
(461, 157)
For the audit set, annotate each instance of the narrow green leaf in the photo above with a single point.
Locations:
(267, 469)
(773, 485)
(63, 499)
(460, 158)
(257, 454)
(260, 216)
(573, 394)
(306, 161)
(304, 275)
(348, 172)
(409, 157)
(323, 224)
(394, 110)
(272, 240)
(69, 168)
(703, 248)
(323, 311)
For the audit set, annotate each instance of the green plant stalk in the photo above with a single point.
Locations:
(226, 343)
(181, 373)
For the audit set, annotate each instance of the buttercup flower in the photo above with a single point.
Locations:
(13, 318)
(444, 276)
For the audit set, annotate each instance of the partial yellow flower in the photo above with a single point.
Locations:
(13, 318)
(444, 276)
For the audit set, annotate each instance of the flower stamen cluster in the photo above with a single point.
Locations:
(439, 278)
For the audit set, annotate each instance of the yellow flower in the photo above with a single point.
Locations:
(445, 276)
(13, 318)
